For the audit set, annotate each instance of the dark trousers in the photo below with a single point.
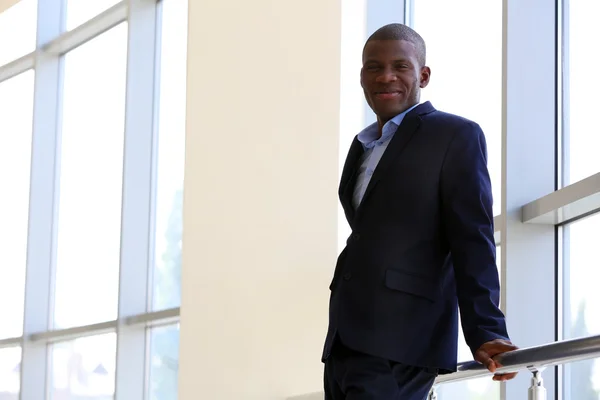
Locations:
(350, 375)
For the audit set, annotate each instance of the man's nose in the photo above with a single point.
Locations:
(387, 76)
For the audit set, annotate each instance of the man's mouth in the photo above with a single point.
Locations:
(387, 94)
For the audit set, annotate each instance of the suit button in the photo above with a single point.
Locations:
(355, 236)
(347, 276)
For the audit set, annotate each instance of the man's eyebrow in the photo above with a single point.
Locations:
(372, 60)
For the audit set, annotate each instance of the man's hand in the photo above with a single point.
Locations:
(487, 351)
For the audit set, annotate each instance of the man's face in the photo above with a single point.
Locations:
(391, 77)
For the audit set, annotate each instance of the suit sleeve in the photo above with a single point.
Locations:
(469, 224)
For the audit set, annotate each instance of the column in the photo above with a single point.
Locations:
(260, 205)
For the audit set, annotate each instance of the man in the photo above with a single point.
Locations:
(416, 192)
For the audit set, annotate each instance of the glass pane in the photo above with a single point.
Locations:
(583, 85)
(171, 154)
(474, 389)
(16, 101)
(450, 67)
(582, 303)
(17, 30)
(164, 363)
(89, 221)
(80, 11)
(83, 368)
(10, 373)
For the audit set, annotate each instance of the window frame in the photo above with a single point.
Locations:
(135, 319)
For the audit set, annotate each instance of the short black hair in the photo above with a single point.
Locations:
(401, 32)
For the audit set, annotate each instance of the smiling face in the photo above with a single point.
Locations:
(392, 77)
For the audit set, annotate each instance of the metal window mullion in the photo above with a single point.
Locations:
(563, 65)
(42, 203)
(67, 334)
(565, 205)
(154, 318)
(146, 320)
(78, 36)
(563, 304)
(528, 251)
(384, 12)
(137, 215)
(17, 67)
(11, 342)
(380, 13)
(409, 12)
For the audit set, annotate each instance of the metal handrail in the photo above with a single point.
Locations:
(532, 358)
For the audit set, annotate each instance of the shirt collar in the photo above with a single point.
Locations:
(369, 136)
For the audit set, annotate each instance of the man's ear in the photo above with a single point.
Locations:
(425, 76)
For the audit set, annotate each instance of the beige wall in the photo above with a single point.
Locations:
(6, 4)
(260, 212)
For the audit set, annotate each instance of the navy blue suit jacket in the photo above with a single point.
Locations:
(422, 244)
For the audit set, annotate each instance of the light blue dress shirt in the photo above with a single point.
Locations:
(374, 148)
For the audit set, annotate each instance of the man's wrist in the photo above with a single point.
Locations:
(485, 337)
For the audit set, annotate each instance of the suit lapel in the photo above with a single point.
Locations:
(348, 179)
(408, 127)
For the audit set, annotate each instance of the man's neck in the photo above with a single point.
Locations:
(381, 122)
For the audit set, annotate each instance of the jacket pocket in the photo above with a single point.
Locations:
(416, 285)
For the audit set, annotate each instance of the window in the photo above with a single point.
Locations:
(466, 70)
(89, 138)
(163, 355)
(171, 155)
(91, 169)
(10, 368)
(16, 99)
(80, 11)
(164, 362)
(582, 85)
(17, 23)
(474, 389)
(83, 368)
(581, 302)
(81, 213)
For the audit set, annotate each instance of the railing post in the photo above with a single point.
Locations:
(537, 391)
(433, 393)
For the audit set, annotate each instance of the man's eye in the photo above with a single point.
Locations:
(372, 68)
